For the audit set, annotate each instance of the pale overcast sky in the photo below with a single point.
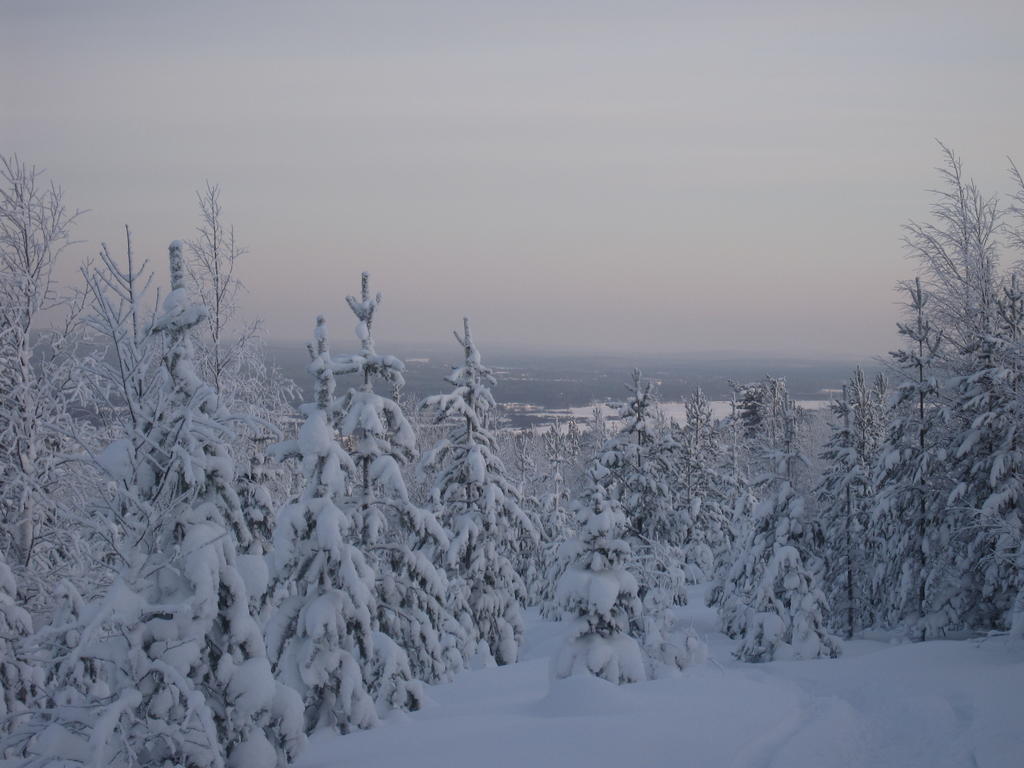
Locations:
(660, 175)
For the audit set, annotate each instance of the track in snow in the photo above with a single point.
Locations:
(942, 704)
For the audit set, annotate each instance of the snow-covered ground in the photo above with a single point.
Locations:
(929, 705)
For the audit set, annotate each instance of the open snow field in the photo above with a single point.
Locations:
(933, 705)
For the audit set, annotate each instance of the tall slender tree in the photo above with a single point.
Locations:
(480, 505)
(639, 464)
(914, 486)
(320, 632)
(989, 464)
(845, 495)
(554, 519)
(402, 540)
(702, 493)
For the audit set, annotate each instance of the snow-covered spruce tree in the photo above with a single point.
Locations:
(762, 408)
(966, 553)
(258, 511)
(1012, 325)
(573, 439)
(773, 600)
(597, 433)
(694, 558)
(739, 486)
(257, 502)
(573, 469)
(984, 399)
(419, 638)
(320, 630)
(555, 519)
(480, 505)
(522, 449)
(183, 662)
(639, 463)
(958, 253)
(989, 462)
(842, 521)
(702, 493)
(872, 414)
(555, 502)
(639, 473)
(757, 430)
(599, 593)
(918, 575)
(524, 452)
(845, 497)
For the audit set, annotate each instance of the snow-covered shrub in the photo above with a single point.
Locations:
(20, 680)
